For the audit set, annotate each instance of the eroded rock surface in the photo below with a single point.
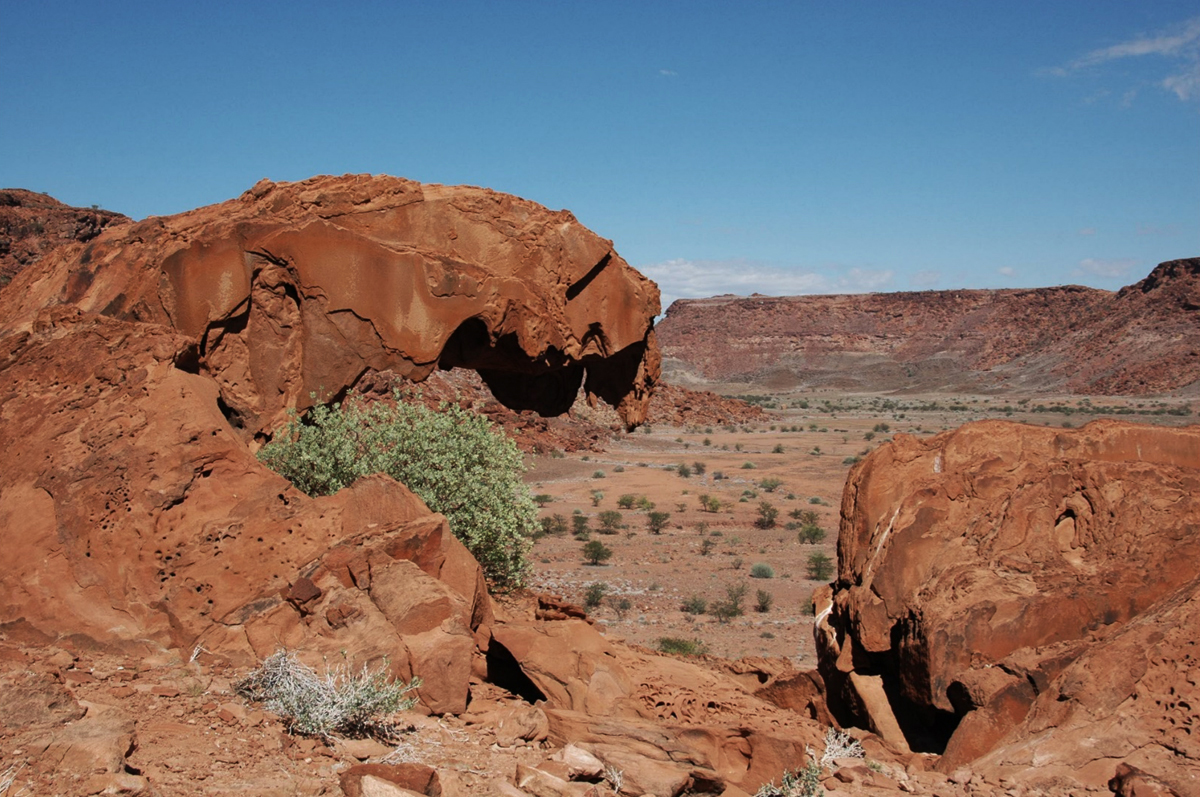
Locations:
(1024, 599)
(33, 224)
(137, 370)
(298, 289)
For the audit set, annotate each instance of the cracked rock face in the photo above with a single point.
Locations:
(1024, 599)
(138, 369)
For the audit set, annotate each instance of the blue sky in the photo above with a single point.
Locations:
(784, 147)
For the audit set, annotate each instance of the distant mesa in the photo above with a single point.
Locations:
(1143, 339)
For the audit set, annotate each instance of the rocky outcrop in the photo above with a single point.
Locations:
(32, 224)
(137, 371)
(1023, 600)
(1143, 339)
(290, 293)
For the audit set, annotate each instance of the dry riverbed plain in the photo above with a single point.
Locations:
(719, 484)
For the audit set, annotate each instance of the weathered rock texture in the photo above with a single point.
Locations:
(1025, 599)
(135, 370)
(32, 224)
(298, 289)
(1143, 339)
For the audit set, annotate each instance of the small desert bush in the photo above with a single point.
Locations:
(626, 501)
(340, 702)
(681, 646)
(554, 525)
(726, 610)
(611, 521)
(695, 605)
(768, 515)
(820, 567)
(596, 552)
(762, 570)
(763, 601)
(806, 781)
(594, 593)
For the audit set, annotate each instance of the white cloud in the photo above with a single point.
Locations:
(668, 73)
(695, 279)
(928, 278)
(1087, 231)
(1179, 45)
(1108, 269)
(1006, 271)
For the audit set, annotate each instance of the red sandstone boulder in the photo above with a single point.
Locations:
(1024, 598)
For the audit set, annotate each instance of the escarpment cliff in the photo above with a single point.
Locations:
(1142, 339)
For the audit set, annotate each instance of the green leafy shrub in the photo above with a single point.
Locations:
(597, 497)
(541, 499)
(657, 521)
(626, 501)
(811, 534)
(645, 504)
(684, 470)
(579, 525)
(726, 610)
(594, 593)
(339, 702)
(820, 567)
(452, 458)
(762, 570)
(554, 525)
(596, 552)
(681, 646)
(611, 521)
(768, 515)
(770, 484)
(763, 601)
(694, 605)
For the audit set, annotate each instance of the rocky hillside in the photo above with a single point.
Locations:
(32, 224)
(1142, 339)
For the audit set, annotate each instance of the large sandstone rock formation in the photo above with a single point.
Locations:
(1143, 339)
(137, 371)
(298, 289)
(1025, 600)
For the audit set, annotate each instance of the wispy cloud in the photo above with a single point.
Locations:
(1178, 45)
(694, 279)
(1006, 271)
(668, 73)
(927, 278)
(1115, 268)
(1087, 231)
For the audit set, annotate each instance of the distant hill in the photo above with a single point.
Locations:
(1143, 339)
